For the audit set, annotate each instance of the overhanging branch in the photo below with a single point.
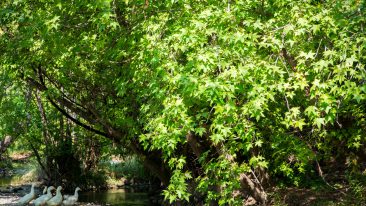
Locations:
(87, 127)
(42, 87)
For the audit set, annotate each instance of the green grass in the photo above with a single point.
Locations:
(129, 168)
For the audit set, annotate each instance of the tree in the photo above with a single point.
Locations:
(215, 97)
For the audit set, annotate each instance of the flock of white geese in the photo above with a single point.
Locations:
(48, 199)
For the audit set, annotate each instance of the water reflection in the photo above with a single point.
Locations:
(10, 180)
(115, 197)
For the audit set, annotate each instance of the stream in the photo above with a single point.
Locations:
(115, 197)
(111, 197)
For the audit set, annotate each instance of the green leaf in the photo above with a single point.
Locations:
(300, 123)
(216, 138)
(311, 112)
(258, 143)
(319, 122)
(200, 131)
(308, 55)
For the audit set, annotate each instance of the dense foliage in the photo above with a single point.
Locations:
(217, 98)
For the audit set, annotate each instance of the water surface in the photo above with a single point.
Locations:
(115, 197)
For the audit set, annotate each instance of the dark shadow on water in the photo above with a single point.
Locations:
(115, 197)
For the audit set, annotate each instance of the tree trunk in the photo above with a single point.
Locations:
(43, 118)
(246, 184)
(5, 144)
(45, 133)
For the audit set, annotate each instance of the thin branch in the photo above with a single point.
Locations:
(317, 50)
(63, 93)
(287, 104)
(64, 103)
(87, 127)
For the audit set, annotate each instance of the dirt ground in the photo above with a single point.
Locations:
(20, 156)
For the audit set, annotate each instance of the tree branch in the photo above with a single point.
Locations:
(87, 127)
(66, 104)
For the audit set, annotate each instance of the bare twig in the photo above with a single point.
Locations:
(317, 50)
(287, 104)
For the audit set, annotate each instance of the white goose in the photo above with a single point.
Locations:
(44, 198)
(71, 200)
(44, 190)
(57, 199)
(28, 197)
